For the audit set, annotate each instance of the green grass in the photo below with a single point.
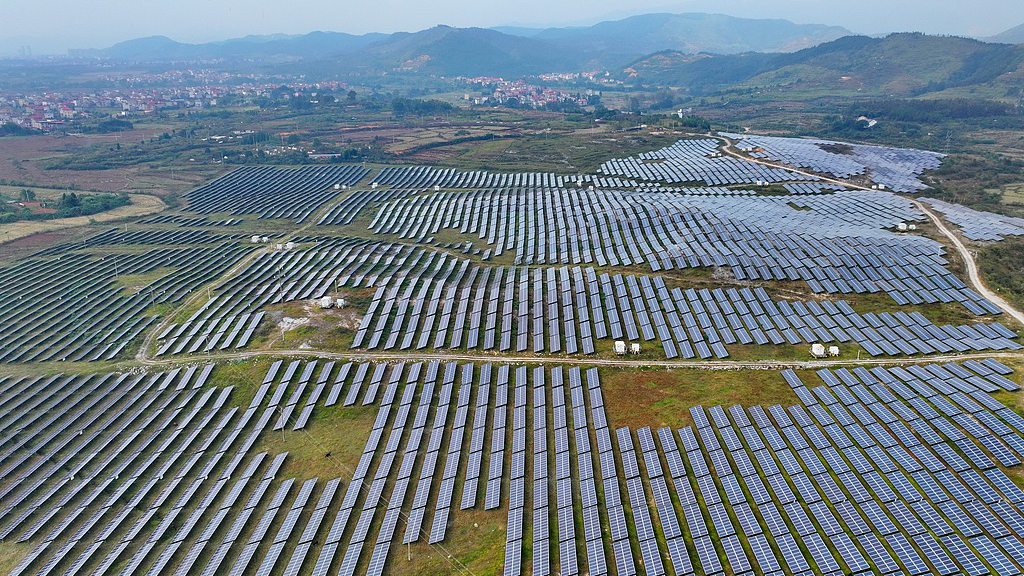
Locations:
(187, 310)
(42, 194)
(1012, 194)
(133, 283)
(11, 553)
(661, 397)
(951, 313)
(475, 539)
(1002, 266)
(453, 236)
(338, 431)
(245, 375)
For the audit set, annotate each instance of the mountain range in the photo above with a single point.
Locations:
(715, 33)
(162, 48)
(700, 53)
(906, 64)
(504, 51)
(1014, 35)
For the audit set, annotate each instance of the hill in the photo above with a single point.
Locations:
(312, 45)
(451, 51)
(690, 33)
(504, 51)
(1014, 35)
(899, 64)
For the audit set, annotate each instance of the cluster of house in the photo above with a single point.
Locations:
(56, 110)
(524, 93)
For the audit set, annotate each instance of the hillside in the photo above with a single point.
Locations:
(690, 33)
(1014, 35)
(899, 64)
(451, 51)
(312, 45)
(504, 51)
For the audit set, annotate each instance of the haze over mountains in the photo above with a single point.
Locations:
(700, 52)
(896, 65)
(1014, 35)
(444, 49)
(694, 33)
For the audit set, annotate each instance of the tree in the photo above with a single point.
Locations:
(351, 95)
(68, 201)
(27, 195)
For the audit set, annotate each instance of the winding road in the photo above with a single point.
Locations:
(972, 267)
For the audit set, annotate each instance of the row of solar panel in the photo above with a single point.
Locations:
(547, 307)
(888, 467)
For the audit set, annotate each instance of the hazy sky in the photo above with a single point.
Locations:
(53, 26)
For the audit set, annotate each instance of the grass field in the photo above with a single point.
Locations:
(11, 553)
(1012, 194)
(41, 193)
(1001, 264)
(476, 540)
(342, 431)
(1014, 400)
(133, 283)
(245, 375)
(329, 446)
(658, 397)
(952, 313)
(26, 160)
(142, 205)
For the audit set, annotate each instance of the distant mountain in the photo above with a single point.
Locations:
(1014, 35)
(465, 52)
(519, 31)
(312, 45)
(690, 33)
(503, 51)
(899, 64)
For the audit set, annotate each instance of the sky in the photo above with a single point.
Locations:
(54, 26)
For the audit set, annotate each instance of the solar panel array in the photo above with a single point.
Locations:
(568, 310)
(812, 188)
(896, 168)
(73, 307)
(432, 299)
(423, 177)
(568, 562)
(115, 237)
(426, 298)
(838, 243)
(346, 211)
(291, 193)
(977, 224)
(187, 222)
(882, 470)
(696, 161)
(541, 564)
(230, 318)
